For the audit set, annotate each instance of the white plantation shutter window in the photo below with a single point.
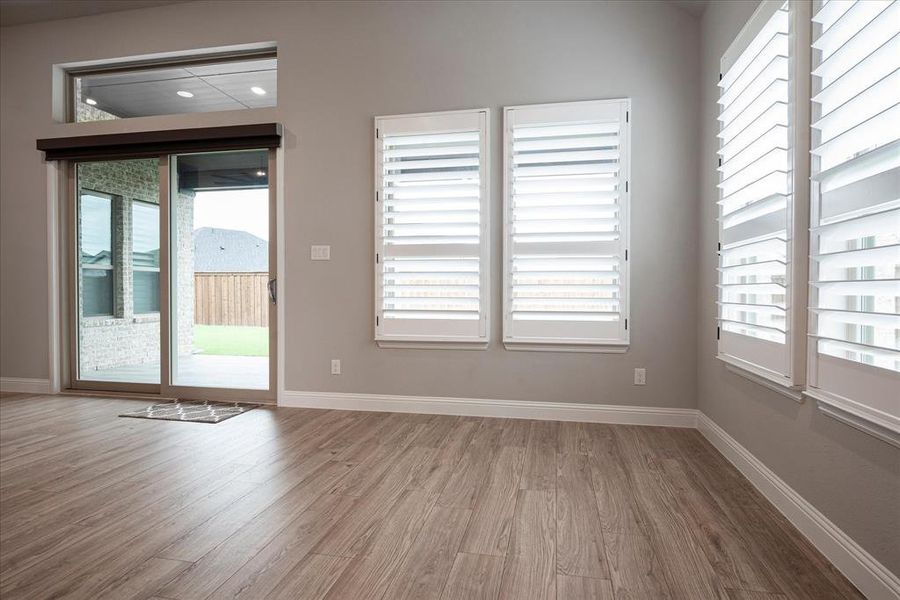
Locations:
(566, 235)
(431, 238)
(855, 214)
(757, 173)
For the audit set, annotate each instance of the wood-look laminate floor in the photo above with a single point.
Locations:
(314, 504)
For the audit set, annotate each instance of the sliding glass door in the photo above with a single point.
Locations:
(172, 281)
(221, 301)
(116, 304)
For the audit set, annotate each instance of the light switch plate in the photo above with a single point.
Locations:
(320, 252)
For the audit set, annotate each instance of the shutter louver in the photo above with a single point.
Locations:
(856, 181)
(565, 260)
(430, 217)
(755, 199)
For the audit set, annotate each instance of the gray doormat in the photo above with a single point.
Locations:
(192, 411)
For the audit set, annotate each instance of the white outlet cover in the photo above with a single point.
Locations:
(335, 366)
(640, 377)
(320, 252)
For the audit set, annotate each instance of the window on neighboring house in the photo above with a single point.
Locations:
(566, 201)
(176, 86)
(761, 225)
(854, 353)
(145, 256)
(431, 229)
(96, 250)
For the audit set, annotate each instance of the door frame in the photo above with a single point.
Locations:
(69, 317)
(69, 249)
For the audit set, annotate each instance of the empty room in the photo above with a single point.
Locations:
(450, 299)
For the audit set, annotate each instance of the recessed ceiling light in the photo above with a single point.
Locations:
(91, 101)
(258, 90)
(260, 173)
(184, 94)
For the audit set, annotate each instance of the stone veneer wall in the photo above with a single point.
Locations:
(126, 338)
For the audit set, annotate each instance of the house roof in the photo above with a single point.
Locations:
(228, 251)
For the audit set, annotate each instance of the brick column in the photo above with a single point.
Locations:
(123, 248)
(183, 214)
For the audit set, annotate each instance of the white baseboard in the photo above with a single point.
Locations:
(477, 407)
(25, 386)
(872, 578)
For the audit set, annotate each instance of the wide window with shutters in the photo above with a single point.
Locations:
(854, 368)
(762, 165)
(431, 229)
(566, 194)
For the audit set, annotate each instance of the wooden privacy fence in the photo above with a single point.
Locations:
(231, 299)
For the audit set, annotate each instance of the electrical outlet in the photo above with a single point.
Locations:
(335, 366)
(320, 252)
(640, 377)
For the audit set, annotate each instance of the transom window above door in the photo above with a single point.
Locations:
(184, 85)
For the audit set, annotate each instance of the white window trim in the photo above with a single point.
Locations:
(791, 383)
(854, 414)
(569, 344)
(870, 381)
(438, 342)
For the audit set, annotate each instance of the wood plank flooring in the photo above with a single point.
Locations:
(315, 504)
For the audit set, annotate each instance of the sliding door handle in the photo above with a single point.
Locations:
(273, 290)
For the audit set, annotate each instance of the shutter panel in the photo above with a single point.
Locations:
(431, 238)
(565, 206)
(855, 212)
(755, 196)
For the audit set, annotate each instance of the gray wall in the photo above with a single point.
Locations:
(852, 477)
(342, 63)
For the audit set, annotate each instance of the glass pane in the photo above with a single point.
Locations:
(220, 246)
(118, 247)
(97, 296)
(96, 229)
(176, 89)
(145, 256)
(146, 292)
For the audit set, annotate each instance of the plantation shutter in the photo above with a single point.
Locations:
(566, 198)
(431, 228)
(756, 197)
(855, 214)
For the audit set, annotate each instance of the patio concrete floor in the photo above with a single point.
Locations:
(201, 370)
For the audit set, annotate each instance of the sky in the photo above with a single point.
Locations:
(242, 210)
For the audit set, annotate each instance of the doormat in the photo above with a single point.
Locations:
(192, 411)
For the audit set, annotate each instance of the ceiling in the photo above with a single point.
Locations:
(695, 7)
(20, 12)
(244, 169)
(147, 92)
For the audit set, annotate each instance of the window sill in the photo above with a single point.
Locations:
(766, 379)
(566, 347)
(883, 426)
(436, 345)
(146, 318)
(106, 321)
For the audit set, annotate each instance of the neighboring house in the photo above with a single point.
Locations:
(229, 251)
(231, 274)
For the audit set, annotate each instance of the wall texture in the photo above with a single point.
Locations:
(852, 477)
(341, 64)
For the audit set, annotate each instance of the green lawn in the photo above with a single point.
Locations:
(231, 341)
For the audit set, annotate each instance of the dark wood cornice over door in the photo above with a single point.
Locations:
(153, 143)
